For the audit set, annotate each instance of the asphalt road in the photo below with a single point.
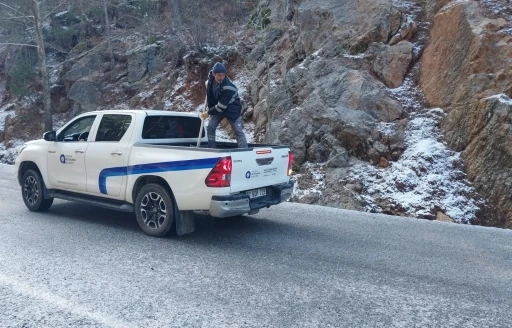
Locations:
(289, 266)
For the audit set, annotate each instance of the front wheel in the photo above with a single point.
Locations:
(154, 210)
(32, 192)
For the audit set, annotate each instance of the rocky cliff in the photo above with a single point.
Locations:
(467, 70)
(366, 92)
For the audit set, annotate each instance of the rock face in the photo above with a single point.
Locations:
(328, 107)
(483, 131)
(433, 6)
(329, 102)
(479, 66)
(460, 80)
(345, 26)
(334, 111)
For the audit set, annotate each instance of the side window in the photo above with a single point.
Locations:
(113, 127)
(78, 130)
(171, 127)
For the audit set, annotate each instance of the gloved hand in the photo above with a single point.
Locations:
(211, 111)
(204, 115)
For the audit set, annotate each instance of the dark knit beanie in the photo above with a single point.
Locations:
(218, 68)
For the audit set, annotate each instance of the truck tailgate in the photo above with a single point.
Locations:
(259, 167)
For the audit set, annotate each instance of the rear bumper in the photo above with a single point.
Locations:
(225, 206)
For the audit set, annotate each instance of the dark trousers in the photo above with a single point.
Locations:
(235, 125)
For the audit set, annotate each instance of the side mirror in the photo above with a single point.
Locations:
(50, 136)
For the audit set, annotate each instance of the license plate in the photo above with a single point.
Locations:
(257, 192)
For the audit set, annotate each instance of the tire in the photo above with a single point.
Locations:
(154, 209)
(32, 192)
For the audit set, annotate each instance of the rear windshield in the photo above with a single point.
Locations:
(171, 127)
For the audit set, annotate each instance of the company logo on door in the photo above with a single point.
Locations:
(67, 159)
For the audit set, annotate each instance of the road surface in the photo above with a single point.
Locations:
(289, 266)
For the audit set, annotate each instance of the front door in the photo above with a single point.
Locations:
(66, 156)
(106, 156)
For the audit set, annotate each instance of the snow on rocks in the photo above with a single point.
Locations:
(425, 180)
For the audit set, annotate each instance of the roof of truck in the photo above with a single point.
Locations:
(148, 112)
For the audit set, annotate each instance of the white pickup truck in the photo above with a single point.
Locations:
(151, 163)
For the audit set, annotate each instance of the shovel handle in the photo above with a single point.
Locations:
(202, 120)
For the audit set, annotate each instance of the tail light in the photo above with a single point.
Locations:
(220, 175)
(290, 163)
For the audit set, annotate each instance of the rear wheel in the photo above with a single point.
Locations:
(32, 192)
(154, 210)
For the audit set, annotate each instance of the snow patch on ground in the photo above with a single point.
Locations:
(3, 117)
(427, 177)
(241, 82)
(9, 152)
(502, 98)
(386, 128)
(310, 180)
(359, 56)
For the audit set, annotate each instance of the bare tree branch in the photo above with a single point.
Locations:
(13, 9)
(62, 2)
(85, 53)
(59, 49)
(18, 22)
(17, 44)
(19, 17)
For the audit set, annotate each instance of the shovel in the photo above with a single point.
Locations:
(202, 120)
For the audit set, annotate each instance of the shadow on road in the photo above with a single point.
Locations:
(207, 227)
(85, 213)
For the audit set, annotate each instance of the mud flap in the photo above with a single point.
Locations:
(185, 222)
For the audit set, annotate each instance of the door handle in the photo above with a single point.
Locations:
(116, 152)
(81, 151)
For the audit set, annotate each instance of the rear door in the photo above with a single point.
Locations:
(259, 167)
(107, 156)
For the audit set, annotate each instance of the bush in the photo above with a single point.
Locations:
(63, 37)
(96, 13)
(260, 18)
(21, 73)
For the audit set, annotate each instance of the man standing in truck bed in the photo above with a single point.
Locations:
(223, 102)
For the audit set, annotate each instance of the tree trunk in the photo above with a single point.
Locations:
(107, 23)
(48, 123)
(176, 11)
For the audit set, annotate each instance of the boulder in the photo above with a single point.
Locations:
(86, 94)
(391, 62)
(143, 60)
(85, 67)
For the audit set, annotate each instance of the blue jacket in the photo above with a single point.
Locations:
(227, 102)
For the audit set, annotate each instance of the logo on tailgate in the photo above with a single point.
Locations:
(248, 175)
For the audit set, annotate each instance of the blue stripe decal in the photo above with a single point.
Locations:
(194, 164)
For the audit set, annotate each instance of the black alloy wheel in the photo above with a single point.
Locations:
(154, 210)
(32, 192)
